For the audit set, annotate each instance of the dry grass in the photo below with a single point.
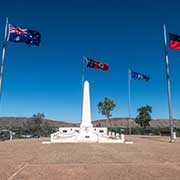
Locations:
(148, 158)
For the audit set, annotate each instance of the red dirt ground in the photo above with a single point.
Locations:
(148, 158)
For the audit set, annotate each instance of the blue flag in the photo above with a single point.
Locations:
(20, 35)
(139, 76)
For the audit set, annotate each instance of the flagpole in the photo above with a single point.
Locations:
(3, 57)
(83, 79)
(83, 70)
(168, 87)
(129, 101)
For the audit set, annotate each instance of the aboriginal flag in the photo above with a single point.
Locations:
(174, 41)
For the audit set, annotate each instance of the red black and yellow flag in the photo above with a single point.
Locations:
(174, 41)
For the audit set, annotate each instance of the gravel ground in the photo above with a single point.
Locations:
(148, 158)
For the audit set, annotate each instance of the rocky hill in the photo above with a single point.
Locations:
(20, 121)
(116, 122)
(122, 122)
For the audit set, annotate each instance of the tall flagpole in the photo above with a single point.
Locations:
(168, 87)
(129, 100)
(83, 69)
(83, 79)
(3, 56)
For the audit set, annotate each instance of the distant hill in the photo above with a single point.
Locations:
(116, 122)
(122, 122)
(20, 121)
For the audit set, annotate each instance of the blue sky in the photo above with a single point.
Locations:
(124, 34)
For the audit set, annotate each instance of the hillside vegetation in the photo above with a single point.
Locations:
(116, 122)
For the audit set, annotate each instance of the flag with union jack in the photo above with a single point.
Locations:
(19, 35)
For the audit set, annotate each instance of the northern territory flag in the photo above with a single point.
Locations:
(174, 41)
(96, 64)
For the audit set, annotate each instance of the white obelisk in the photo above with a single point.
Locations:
(86, 109)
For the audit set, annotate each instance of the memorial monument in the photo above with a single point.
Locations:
(86, 132)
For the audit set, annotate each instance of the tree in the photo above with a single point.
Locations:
(105, 107)
(46, 129)
(144, 116)
(37, 120)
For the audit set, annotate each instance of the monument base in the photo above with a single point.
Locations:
(85, 134)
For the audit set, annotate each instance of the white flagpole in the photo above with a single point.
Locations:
(168, 87)
(129, 101)
(83, 69)
(83, 79)
(3, 56)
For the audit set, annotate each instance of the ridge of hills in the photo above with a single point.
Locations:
(20, 121)
(116, 122)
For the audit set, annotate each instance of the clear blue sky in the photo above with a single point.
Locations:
(124, 34)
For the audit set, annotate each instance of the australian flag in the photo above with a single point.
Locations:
(139, 76)
(19, 35)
